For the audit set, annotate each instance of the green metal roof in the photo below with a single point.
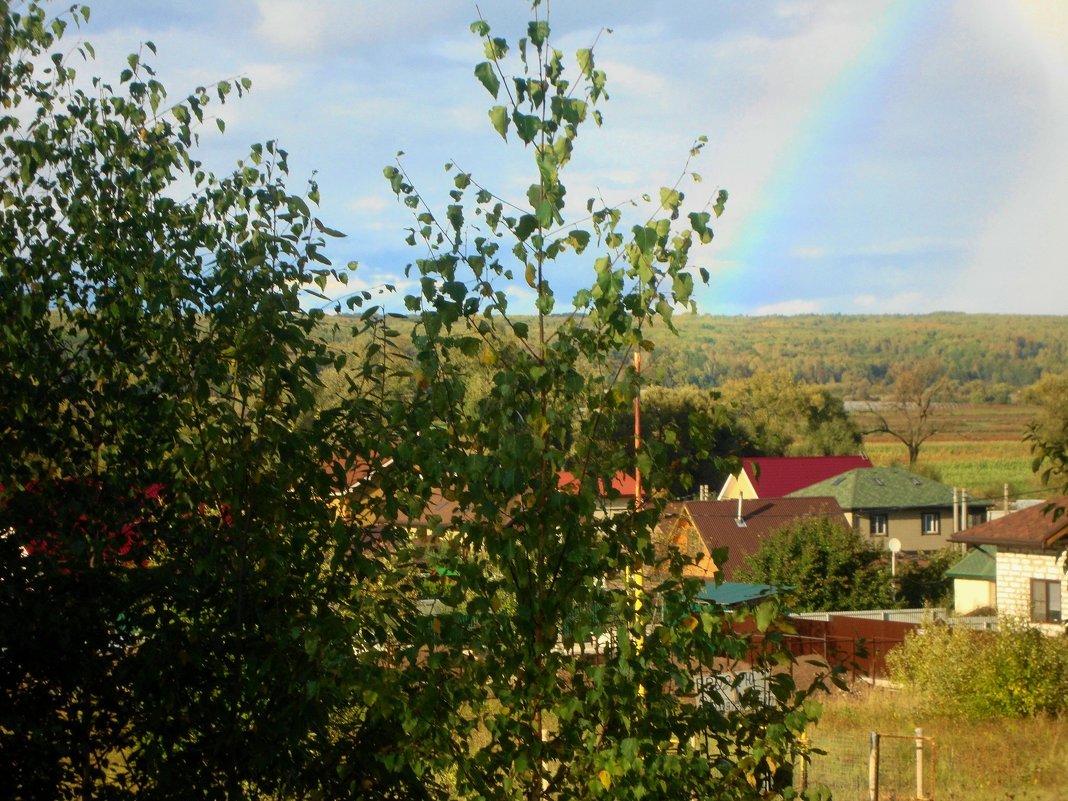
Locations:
(883, 488)
(731, 593)
(979, 563)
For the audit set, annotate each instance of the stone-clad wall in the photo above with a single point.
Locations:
(1016, 568)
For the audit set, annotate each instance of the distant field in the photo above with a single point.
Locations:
(981, 450)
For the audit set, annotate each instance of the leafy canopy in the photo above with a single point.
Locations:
(828, 565)
(236, 563)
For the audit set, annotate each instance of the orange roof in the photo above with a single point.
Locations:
(623, 483)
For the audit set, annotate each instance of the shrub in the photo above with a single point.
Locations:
(1013, 672)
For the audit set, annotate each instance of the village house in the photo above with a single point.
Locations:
(882, 503)
(698, 528)
(1029, 563)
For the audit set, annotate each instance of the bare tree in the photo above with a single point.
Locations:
(910, 413)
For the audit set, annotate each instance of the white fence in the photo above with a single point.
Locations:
(920, 616)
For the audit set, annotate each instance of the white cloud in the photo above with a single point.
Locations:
(314, 26)
(268, 78)
(370, 204)
(797, 306)
(521, 299)
(809, 253)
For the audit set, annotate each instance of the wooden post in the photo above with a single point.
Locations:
(919, 763)
(873, 768)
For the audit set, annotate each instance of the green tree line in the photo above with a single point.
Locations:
(985, 357)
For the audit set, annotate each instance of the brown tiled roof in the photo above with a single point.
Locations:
(1034, 527)
(716, 522)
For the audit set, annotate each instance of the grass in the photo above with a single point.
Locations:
(1002, 760)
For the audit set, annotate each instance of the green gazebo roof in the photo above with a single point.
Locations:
(979, 563)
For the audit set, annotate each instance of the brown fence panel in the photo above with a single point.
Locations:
(859, 644)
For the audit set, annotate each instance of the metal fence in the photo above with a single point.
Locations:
(881, 767)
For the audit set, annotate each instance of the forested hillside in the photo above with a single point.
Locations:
(985, 357)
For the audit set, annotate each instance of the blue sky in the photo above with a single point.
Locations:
(900, 156)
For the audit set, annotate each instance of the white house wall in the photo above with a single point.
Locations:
(1015, 569)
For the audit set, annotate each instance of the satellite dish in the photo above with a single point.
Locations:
(893, 544)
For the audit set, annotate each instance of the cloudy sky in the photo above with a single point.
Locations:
(881, 155)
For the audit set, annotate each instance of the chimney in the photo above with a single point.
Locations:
(739, 520)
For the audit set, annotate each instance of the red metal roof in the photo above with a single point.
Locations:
(781, 475)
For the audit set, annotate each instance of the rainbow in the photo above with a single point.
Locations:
(846, 102)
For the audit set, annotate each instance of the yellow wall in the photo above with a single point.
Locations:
(738, 486)
(972, 594)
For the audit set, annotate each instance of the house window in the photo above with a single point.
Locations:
(932, 522)
(879, 526)
(1045, 601)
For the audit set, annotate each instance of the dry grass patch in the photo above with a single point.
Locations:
(999, 760)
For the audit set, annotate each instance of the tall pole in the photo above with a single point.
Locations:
(637, 577)
(637, 434)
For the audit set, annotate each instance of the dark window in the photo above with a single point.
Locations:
(932, 522)
(1045, 601)
(880, 526)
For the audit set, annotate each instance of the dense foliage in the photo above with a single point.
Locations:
(215, 569)
(828, 565)
(779, 415)
(1048, 433)
(179, 599)
(1016, 671)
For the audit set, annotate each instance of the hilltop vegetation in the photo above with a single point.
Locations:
(987, 358)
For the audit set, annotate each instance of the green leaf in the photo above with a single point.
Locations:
(579, 240)
(584, 57)
(721, 202)
(544, 213)
(527, 224)
(499, 117)
(527, 126)
(699, 222)
(538, 32)
(486, 73)
(765, 613)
